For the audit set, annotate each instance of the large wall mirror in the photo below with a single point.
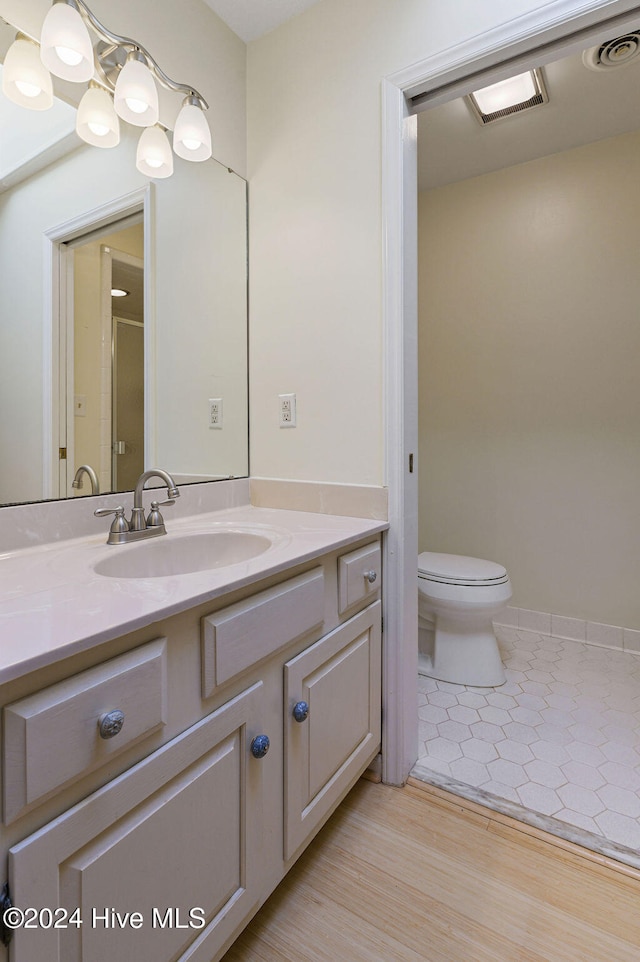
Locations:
(156, 378)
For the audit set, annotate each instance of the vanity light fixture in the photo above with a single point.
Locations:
(509, 96)
(136, 95)
(65, 45)
(24, 79)
(97, 122)
(191, 135)
(153, 156)
(117, 66)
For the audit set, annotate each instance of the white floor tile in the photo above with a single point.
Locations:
(561, 737)
(544, 773)
(621, 828)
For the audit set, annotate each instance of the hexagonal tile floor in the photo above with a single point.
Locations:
(558, 745)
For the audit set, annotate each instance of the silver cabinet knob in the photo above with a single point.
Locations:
(260, 746)
(371, 576)
(301, 711)
(110, 723)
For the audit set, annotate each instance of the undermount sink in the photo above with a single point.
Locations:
(184, 554)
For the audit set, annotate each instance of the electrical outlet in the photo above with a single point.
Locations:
(215, 412)
(287, 407)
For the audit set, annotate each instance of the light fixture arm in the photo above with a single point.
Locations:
(127, 43)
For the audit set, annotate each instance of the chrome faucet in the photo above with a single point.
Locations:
(123, 531)
(91, 474)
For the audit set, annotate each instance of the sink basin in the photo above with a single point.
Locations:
(167, 556)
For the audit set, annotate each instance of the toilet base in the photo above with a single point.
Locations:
(462, 656)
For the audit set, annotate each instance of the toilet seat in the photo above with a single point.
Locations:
(452, 569)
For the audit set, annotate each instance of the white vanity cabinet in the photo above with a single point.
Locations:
(167, 845)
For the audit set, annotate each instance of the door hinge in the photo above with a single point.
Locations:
(62, 454)
(6, 932)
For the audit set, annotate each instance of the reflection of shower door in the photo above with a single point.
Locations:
(128, 403)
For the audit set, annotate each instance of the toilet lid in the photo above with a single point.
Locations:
(457, 569)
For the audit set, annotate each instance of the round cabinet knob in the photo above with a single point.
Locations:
(260, 746)
(110, 723)
(371, 576)
(301, 711)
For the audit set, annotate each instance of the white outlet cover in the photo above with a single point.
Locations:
(215, 413)
(287, 409)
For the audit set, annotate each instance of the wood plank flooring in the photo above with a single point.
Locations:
(402, 875)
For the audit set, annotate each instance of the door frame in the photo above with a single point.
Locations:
(57, 348)
(555, 29)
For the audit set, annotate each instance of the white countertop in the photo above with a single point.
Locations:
(53, 603)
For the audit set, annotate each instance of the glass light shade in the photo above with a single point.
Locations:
(506, 93)
(153, 156)
(25, 80)
(136, 95)
(65, 44)
(191, 136)
(97, 122)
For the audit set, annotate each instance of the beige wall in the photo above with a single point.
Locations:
(529, 388)
(314, 158)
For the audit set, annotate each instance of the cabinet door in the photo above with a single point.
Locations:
(176, 839)
(339, 679)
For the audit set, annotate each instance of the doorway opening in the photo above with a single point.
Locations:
(86, 328)
(539, 36)
(446, 732)
(104, 326)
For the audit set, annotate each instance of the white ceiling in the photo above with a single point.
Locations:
(251, 19)
(584, 106)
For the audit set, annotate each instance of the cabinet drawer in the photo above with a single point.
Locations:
(176, 838)
(53, 737)
(359, 576)
(241, 635)
(330, 743)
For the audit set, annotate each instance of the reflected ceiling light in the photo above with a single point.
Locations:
(136, 95)
(65, 44)
(191, 136)
(25, 80)
(153, 156)
(509, 96)
(119, 292)
(97, 122)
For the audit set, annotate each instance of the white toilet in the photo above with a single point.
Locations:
(458, 598)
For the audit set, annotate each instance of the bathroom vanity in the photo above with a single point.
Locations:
(171, 743)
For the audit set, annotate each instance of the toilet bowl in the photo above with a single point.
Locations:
(458, 598)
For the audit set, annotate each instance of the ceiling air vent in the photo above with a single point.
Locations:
(613, 53)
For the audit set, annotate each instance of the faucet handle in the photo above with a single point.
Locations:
(119, 523)
(154, 518)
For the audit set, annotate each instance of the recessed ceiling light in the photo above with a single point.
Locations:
(509, 96)
(119, 292)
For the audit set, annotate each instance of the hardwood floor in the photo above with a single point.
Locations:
(417, 874)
